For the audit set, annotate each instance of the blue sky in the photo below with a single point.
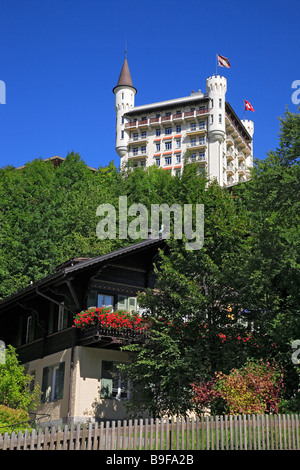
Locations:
(60, 60)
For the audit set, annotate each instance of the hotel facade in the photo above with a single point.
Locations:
(201, 128)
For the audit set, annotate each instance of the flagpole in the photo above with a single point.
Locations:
(216, 64)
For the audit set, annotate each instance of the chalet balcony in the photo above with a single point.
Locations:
(111, 338)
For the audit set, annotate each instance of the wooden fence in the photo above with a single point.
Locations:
(242, 432)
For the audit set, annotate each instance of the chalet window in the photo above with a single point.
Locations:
(105, 301)
(120, 302)
(113, 385)
(62, 317)
(53, 382)
(58, 318)
(127, 303)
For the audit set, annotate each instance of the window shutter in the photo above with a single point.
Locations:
(106, 388)
(20, 331)
(106, 379)
(60, 378)
(132, 304)
(92, 299)
(122, 302)
(51, 319)
(45, 384)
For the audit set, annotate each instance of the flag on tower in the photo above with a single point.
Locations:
(223, 62)
(248, 106)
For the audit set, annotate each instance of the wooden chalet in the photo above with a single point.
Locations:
(72, 365)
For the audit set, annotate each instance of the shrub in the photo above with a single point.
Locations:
(13, 420)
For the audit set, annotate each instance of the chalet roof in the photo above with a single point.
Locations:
(56, 160)
(62, 272)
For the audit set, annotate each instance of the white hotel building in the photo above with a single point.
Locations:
(202, 127)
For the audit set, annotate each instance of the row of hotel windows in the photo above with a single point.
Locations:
(169, 145)
(167, 131)
(168, 161)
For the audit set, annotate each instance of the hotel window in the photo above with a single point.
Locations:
(135, 151)
(122, 119)
(168, 145)
(178, 158)
(220, 118)
(193, 157)
(135, 136)
(178, 173)
(158, 132)
(122, 134)
(202, 140)
(113, 385)
(144, 134)
(211, 119)
(193, 142)
(212, 103)
(220, 102)
(158, 147)
(157, 161)
(202, 156)
(53, 382)
(168, 161)
(143, 163)
(202, 125)
(178, 144)
(168, 130)
(178, 129)
(193, 126)
(143, 149)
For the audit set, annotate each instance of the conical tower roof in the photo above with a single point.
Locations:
(125, 77)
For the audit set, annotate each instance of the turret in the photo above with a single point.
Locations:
(124, 100)
(216, 87)
(249, 125)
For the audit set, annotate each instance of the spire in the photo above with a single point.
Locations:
(125, 77)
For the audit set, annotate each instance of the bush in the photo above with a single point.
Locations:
(13, 420)
(256, 387)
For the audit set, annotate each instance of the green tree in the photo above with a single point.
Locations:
(270, 277)
(15, 385)
(189, 309)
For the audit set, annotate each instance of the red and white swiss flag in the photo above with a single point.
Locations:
(223, 62)
(248, 106)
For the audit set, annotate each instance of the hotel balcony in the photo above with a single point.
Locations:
(192, 132)
(177, 117)
(229, 154)
(137, 154)
(195, 145)
(131, 125)
(230, 140)
(138, 140)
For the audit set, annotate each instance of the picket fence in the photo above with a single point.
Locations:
(242, 432)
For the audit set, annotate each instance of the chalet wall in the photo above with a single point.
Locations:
(87, 383)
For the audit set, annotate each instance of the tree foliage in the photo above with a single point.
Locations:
(15, 390)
